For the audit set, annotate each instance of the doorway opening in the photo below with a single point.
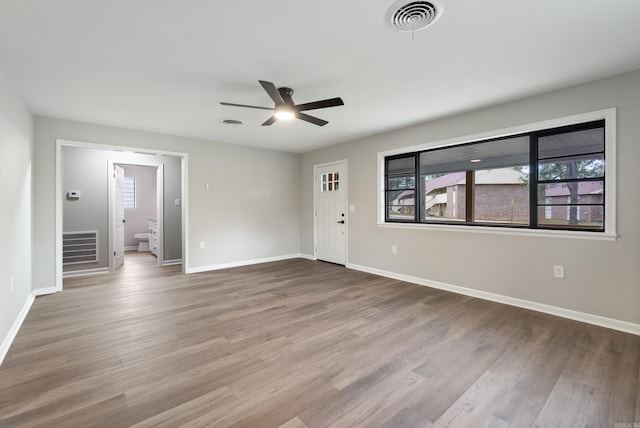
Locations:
(86, 201)
(136, 209)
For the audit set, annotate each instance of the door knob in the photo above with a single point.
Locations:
(341, 222)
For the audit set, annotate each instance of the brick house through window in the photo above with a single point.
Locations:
(589, 197)
(501, 195)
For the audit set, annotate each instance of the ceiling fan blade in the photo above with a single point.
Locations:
(311, 119)
(244, 105)
(331, 102)
(269, 121)
(272, 91)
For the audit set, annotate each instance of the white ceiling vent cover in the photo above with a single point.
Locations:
(410, 16)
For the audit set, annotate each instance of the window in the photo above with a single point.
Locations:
(571, 174)
(400, 188)
(545, 179)
(129, 192)
(329, 182)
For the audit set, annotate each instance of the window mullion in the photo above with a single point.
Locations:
(533, 181)
(418, 191)
(470, 181)
(571, 180)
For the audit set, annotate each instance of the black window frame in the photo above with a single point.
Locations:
(388, 189)
(535, 205)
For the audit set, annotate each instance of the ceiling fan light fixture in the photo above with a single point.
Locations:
(284, 113)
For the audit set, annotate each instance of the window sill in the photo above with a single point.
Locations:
(537, 233)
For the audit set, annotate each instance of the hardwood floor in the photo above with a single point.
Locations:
(303, 344)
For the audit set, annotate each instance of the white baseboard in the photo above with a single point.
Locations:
(85, 272)
(44, 291)
(13, 331)
(172, 262)
(307, 256)
(241, 263)
(601, 321)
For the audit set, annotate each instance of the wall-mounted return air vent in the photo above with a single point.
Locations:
(410, 16)
(79, 247)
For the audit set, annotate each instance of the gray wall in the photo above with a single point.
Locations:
(251, 210)
(602, 278)
(146, 202)
(16, 154)
(86, 170)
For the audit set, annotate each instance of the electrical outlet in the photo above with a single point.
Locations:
(394, 249)
(11, 282)
(201, 244)
(558, 272)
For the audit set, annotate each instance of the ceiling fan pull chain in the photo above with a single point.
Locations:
(413, 28)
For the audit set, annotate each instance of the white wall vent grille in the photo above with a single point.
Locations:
(79, 247)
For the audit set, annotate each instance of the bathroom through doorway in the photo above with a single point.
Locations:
(136, 205)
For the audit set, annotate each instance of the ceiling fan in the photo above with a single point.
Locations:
(286, 109)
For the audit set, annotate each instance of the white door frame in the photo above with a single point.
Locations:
(159, 206)
(59, 196)
(345, 164)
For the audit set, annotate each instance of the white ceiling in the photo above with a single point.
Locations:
(165, 65)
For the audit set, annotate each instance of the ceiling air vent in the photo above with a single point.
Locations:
(410, 16)
(232, 122)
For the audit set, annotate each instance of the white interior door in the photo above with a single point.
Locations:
(331, 214)
(118, 217)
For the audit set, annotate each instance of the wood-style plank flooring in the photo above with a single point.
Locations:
(298, 344)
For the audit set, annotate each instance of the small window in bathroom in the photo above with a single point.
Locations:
(129, 192)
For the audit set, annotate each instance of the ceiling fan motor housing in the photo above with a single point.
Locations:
(286, 94)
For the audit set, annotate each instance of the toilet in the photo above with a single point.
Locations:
(143, 241)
